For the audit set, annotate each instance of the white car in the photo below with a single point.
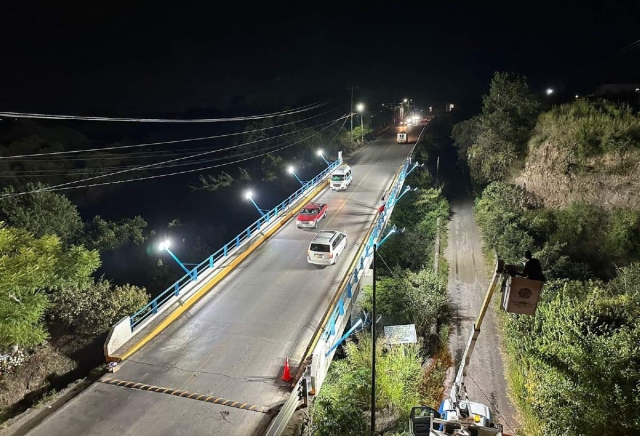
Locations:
(326, 247)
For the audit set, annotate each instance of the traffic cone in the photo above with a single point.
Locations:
(286, 375)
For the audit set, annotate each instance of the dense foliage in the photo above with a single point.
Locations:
(579, 241)
(575, 366)
(495, 141)
(589, 128)
(346, 394)
(30, 268)
(95, 307)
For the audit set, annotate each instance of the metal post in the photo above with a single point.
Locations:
(373, 345)
(362, 127)
(296, 176)
(254, 203)
(179, 263)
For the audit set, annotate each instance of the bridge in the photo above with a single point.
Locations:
(210, 359)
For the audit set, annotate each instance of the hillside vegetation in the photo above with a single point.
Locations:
(571, 197)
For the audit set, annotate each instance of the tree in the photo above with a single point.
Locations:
(464, 135)
(29, 268)
(92, 309)
(272, 167)
(41, 213)
(509, 113)
(108, 235)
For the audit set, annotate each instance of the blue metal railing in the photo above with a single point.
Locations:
(330, 330)
(174, 290)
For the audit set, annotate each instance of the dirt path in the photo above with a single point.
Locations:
(468, 281)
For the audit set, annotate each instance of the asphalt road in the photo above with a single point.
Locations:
(468, 282)
(234, 341)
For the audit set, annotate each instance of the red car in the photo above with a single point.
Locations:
(311, 214)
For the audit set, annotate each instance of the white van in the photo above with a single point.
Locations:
(341, 177)
(326, 247)
(402, 138)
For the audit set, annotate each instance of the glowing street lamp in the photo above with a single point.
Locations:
(164, 246)
(360, 108)
(249, 196)
(321, 154)
(292, 170)
(549, 91)
(405, 100)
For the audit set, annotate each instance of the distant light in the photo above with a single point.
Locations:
(637, 89)
(291, 169)
(451, 106)
(164, 245)
(248, 195)
(549, 91)
(405, 100)
(577, 96)
(360, 107)
(319, 152)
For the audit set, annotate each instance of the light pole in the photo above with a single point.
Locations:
(292, 171)
(321, 154)
(393, 230)
(407, 189)
(249, 196)
(415, 165)
(360, 108)
(164, 246)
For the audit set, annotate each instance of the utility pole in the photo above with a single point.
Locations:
(351, 113)
(373, 345)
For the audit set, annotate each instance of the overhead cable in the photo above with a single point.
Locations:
(161, 120)
(66, 186)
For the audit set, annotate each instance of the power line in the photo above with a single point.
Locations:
(161, 120)
(65, 186)
(148, 144)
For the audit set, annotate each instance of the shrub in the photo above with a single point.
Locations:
(93, 309)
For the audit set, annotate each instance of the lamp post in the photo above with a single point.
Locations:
(415, 165)
(164, 246)
(360, 108)
(249, 196)
(293, 171)
(407, 189)
(393, 230)
(321, 154)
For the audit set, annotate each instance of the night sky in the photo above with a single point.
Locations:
(127, 58)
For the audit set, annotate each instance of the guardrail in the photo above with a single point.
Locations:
(337, 310)
(213, 260)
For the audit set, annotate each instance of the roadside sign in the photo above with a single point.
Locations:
(401, 334)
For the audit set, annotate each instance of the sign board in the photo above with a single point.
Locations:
(401, 334)
(521, 296)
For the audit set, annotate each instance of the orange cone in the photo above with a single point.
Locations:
(286, 375)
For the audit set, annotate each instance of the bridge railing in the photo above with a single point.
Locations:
(226, 250)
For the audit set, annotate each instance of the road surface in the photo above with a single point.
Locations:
(234, 341)
(468, 282)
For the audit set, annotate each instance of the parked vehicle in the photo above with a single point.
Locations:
(310, 215)
(326, 247)
(341, 177)
(403, 137)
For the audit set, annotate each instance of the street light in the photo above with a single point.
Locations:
(360, 109)
(164, 246)
(405, 100)
(393, 230)
(249, 196)
(549, 91)
(415, 165)
(321, 154)
(292, 171)
(407, 189)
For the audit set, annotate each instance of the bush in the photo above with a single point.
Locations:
(589, 128)
(95, 308)
(579, 357)
(409, 298)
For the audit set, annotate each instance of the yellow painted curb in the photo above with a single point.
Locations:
(218, 278)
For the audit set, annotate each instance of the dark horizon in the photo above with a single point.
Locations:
(149, 58)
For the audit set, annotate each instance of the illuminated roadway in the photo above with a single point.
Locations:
(233, 342)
